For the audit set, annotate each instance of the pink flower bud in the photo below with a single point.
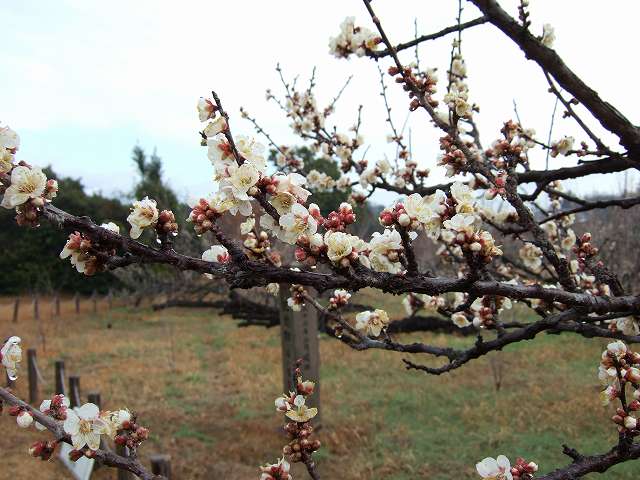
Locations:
(300, 254)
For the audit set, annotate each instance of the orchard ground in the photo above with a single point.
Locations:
(205, 388)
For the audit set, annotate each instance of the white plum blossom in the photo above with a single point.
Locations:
(569, 241)
(294, 305)
(252, 152)
(531, 256)
(417, 207)
(206, 109)
(458, 67)
(460, 320)
(212, 129)
(608, 395)
(143, 214)
(293, 184)
(247, 225)
(618, 349)
(338, 245)
(220, 154)
(463, 195)
(224, 201)
(9, 144)
(276, 471)
(352, 39)
(273, 288)
(301, 413)
(372, 323)
(461, 222)
(384, 248)
(9, 139)
(562, 146)
(628, 325)
(495, 468)
(26, 183)
(118, 418)
(383, 166)
(283, 201)
(72, 251)
(11, 356)
(548, 35)
(241, 179)
(320, 181)
(217, 254)
(368, 177)
(297, 222)
(457, 99)
(343, 183)
(6, 160)
(85, 426)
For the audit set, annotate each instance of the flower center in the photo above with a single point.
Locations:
(85, 426)
(29, 186)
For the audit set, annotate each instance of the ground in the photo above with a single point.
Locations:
(205, 388)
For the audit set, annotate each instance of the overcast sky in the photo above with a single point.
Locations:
(84, 81)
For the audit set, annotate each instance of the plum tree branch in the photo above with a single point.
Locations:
(106, 457)
(432, 36)
(247, 273)
(608, 116)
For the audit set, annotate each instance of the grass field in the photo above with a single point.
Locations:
(205, 388)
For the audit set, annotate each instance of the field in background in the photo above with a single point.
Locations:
(205, 388)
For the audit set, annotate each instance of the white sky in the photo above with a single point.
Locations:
(84, 81)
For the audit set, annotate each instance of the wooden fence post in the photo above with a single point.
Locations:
(123, 452)
(56, 305)
(94, 397)
(94, 299)
(110, 299)
(16, 310)
(76, 300)
(36, 307)
(74, 391)
(161, 465)
(33, 376)
(60, 389)
(299, 333)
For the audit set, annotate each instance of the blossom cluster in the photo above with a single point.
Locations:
(500, 469)
(339, 299)
(299, 429)
(414, 302)
(25, 188)
(372, 323)
(55, 408)
(619, 367)
(457, 96)
(512, 149)
(296, 300)
(353, 39)
(85, 426)
(81, 251)
(11, 356)
(485, 309)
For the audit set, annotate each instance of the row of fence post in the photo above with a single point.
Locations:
(56, 305)
(160, 464)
